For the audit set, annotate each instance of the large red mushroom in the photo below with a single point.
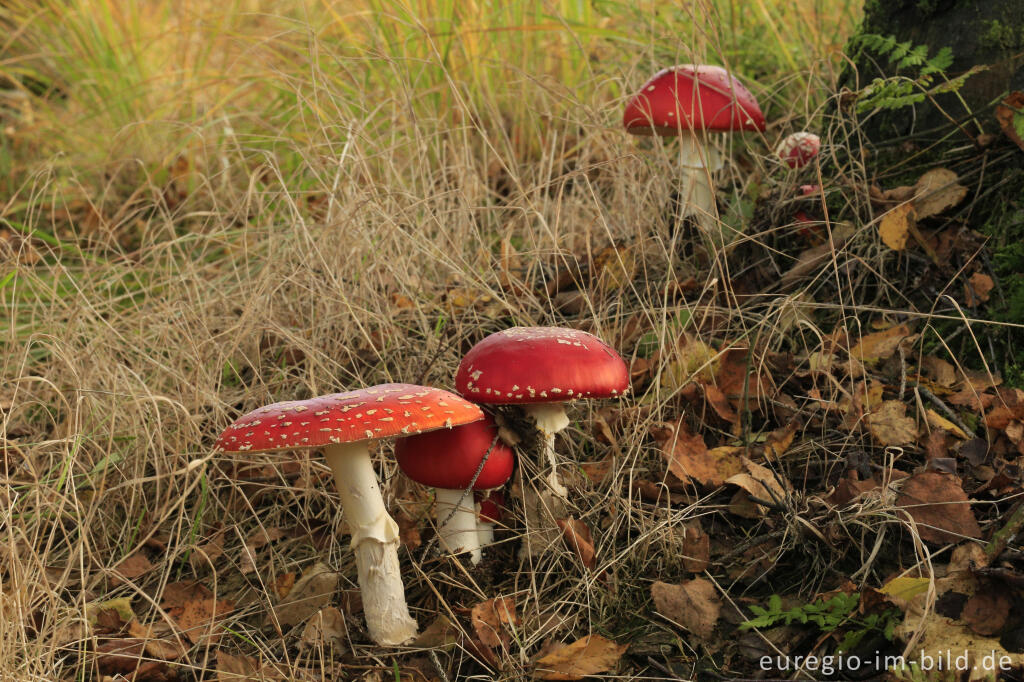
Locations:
(448, 461)
(689, 101)
(541, 369)
(343, 425)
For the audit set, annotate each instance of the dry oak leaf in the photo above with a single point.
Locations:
(588, 656)
(688, 457)
(694, 604)
(889, 424)
(720, 404)
(310, 593)
(489, 618)
(880, 345)
(578, 538)
(439, 634)
(937, 191)
(895, 226)
(978, 288)
(939, 507)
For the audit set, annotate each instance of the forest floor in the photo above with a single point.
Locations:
(206, 208)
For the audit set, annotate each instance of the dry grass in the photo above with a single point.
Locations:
(214, 207)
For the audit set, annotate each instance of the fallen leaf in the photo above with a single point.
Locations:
(577, 537)
(1010, 114)
(942, 373)
(889, 424)
(720, 404)
(200, 619)
(311, 592)
(938, 637)
(130, 568)
(760, 482)
(937, 191)
(978, 288)
(408, 531)
(116, 656)
(694, 604)
(937, 421)
(324, 628)
(905, 587)
(879, 345)
(157, 642)
(439, 634)
(986, 611)
(588, 656)
(939, 507)
(243, 668)
(688, 457)
(490, 617)
(696, 548)
(896, 225)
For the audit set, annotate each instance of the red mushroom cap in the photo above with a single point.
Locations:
(491, 505)
(540, 365)
(797, 150)
(365, 414)
(692, 97)
(448, 459)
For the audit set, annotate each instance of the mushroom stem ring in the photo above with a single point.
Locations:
(550, 419)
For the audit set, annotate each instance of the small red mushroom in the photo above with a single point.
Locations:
(797, 150)
(541, 369)
(448, 461)
(343, 424)
(688, 101)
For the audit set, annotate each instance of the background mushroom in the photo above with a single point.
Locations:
(448, 461)
(798, 149)
(690, 101)
(541, 369)
(343, 424)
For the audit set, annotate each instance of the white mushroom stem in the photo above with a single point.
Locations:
(457, 534)
(485, 533)
(375, 543)
(699, 162)
(550, 419)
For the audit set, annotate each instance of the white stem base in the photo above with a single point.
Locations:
(459, 534)
(375, 543)
(485, 533)
(550, 419)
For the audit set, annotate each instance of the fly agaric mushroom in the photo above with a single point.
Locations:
(489, 513)
(689, 101)
(540, 369)
(448, 461)
(798, 149)
(343, 424)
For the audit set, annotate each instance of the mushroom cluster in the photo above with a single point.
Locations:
(445, 441)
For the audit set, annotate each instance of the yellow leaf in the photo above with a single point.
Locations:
(894, 229)
(937, 421)
(905, 587)
(588, 656)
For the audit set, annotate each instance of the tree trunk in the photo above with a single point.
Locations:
(979, 32)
